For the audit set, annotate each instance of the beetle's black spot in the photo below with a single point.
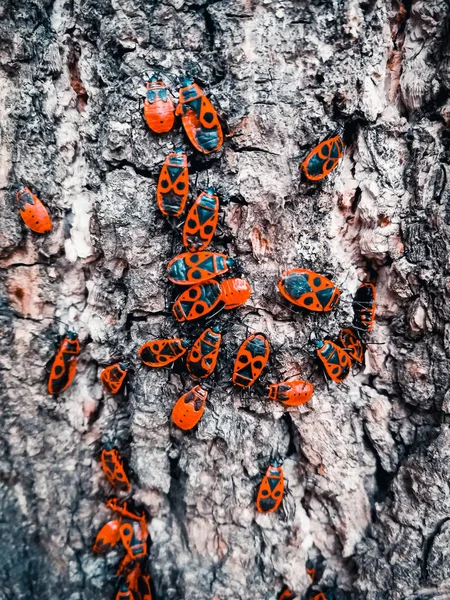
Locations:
(181, 185)
(194, 258)
(317, 281)
(200, 309)
(196, 274)
(208, 229)
(164, 184)
(258, 364)
(191, 224)
(208, 117)
(58, 369)
(193, 294)
(308, 301)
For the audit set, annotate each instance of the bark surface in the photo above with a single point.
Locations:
(367, 462)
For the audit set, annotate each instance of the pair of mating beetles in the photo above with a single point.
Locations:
(129, 527)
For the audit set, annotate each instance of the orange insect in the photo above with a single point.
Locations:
(335, 360)
(197, 267)
(108, 536)
(123, 510)
(189, 408)
(315, 568)
(309, 568)
(126, 566)
(173, 184)
(33, 212)
(199, 118)
(364, 305)
(113, 377)
(323, 158)
(133, 577)
(139, 583)
(201, 221)
(159, 111)
(271, 490)
(235, 292)
(160, 353)
(65, 364)
(144, 587)
(349, 340)
(124, 593)
(112, 465)
(251, 358)
(291, 393)
(197, 301)
(320, 597)
(202, 357)
(286, 594)
(309, 290)
(133, 530)
(134, 535)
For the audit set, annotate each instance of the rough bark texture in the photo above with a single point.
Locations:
(368, 462)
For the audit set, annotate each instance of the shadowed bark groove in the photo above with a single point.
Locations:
(368, 462)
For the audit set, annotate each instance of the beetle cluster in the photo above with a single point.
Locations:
(314, 292)
(197, 274)
(129, 526)
(196, 271)
(311, 291)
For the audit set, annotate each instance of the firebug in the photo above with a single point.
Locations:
(124, 593)
(251, 358)
(134, 535)
(33, 212)
(271, 490)
(201, 221)
(323, 158)
(197, 301)
(197, 267)
(309, 290)
(159, 111)
(112, 465)
(286, 594)
(160, 353)
(199, 118)
(65, 364)
(291, 393)
(235, 292)
(335, 360)
(202, 357)
(113, 377)
(364, 305)
(173, 184)
(189, 408)
(108, 536)
(349, 340)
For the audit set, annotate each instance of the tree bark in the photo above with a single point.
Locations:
(367, 462)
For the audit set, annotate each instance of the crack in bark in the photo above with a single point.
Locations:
(255, 149)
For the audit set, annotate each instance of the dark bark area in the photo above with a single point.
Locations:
(367, 462)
